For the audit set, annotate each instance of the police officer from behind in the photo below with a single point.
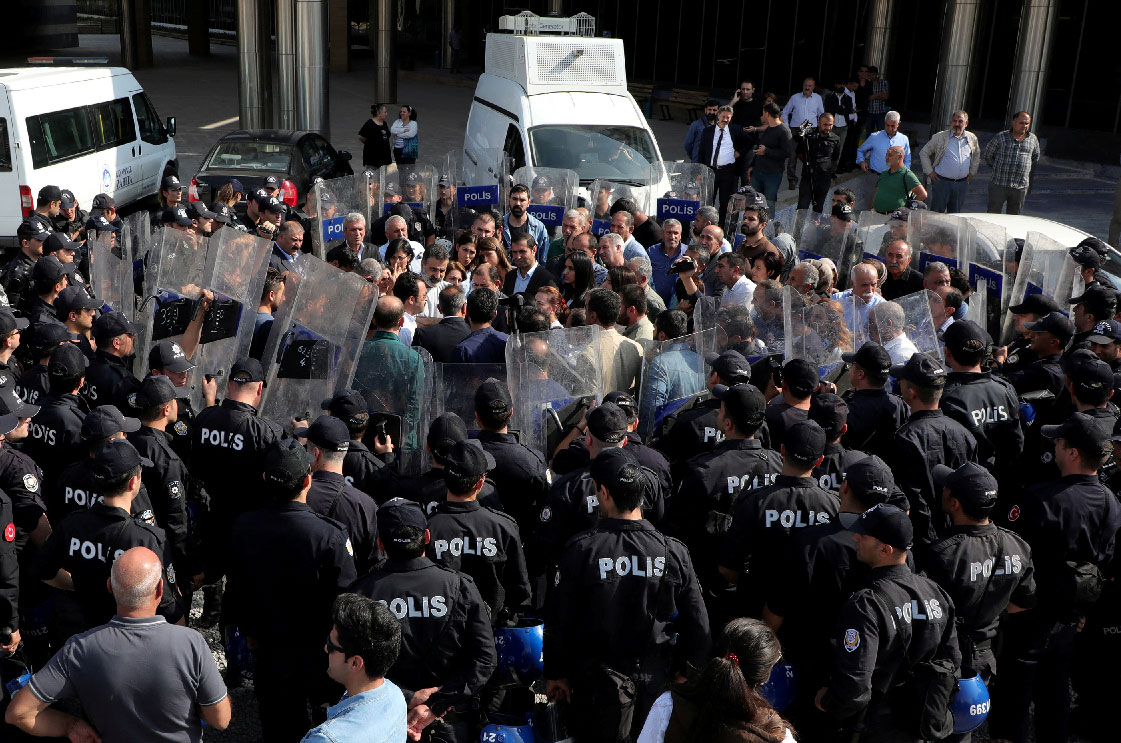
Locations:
(167, 359)
(483, 543)
(1071, 525)
(109, 380)
(374, 472)
(799, 380)
(609, 647)
(56, 431)
(929, 437)
(332, 496)
(288, 563)
(874, 413)
(900, 619)
(765, 519)
(38, 343)
(985, 569)
(831, 413)
(79, 553)
(447, 649)
(429, 488)
(1049, 336)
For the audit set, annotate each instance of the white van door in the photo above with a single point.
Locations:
(152, 146)
(11, 201)
(114, 132)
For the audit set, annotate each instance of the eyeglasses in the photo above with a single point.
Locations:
(332, 647)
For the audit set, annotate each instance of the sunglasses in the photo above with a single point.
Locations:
(333, 648)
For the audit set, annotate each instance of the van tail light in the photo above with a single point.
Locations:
(193, 191)
(288, 188)
(25, 201)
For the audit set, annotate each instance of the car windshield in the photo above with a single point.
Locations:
(616, 153)
(245, 155)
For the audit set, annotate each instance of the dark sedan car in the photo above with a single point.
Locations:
(250, 155)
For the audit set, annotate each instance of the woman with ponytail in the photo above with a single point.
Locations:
(722, 704)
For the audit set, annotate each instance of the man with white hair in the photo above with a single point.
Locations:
(396, 227)
(573, 223)
(886, 323)
(110, 670)
(871, 157)
(864, 287)
(902, 279)
(354, 234)
(611, 250)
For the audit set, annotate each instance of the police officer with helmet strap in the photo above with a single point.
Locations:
(610, 647)
(899, 620)
(447, 649)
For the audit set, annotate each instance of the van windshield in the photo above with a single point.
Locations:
(246, 155)
(615, 153)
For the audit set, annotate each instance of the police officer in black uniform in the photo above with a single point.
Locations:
(332, 496)
(48, 278)
(1071, 525)
(799, 380)
(11, 338)
(929, 437)
(1095, 304)
(109, 380)
(56, 431)
(16, 276)
(899, 620)
(37, 344)
(288, 563)
(647, 456)
(874, 413)
(167, 359)
(1105, 342)
(48, 204)
(79, 553)
(1049, 336)
(483, 543)
(1018, 354)
(364, 469)
(618, 588)
(75, 301)
(429, 488)
(447, 649)
(831, 413)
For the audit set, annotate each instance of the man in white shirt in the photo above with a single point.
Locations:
(806, 106)
(950, 159)
(434, 265)
(886, 322)
(396, 227)
(738, 289)
(413, 293)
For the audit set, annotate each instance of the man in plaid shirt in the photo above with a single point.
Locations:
(1011, 154)
(877, 102)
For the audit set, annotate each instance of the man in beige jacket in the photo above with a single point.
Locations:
(950, 160)
(620, 357)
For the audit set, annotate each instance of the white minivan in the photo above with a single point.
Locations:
(557, 102)
(87, 129)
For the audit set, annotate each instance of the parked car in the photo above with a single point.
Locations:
(296, 158)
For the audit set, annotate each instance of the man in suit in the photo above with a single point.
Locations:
(725, 148)
(442, 338)
(529, 276)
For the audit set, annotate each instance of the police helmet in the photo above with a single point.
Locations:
(507, 729)
(971, 703)
(781, 686)
(520, 650)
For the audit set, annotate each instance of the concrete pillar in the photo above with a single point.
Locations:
(136, 34)
(198, 29)
(286, 63)
(312, 80)
(339, 34)
(254, 85)
(447, 22)
(959, 37)
(1033, 51)
(143, 17)
(880, 18)
(385, 51)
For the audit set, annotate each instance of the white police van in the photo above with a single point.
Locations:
(554, 96)
(87, 129)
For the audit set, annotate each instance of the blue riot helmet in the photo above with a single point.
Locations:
(971, 703)
(520, 650)
(780, 687)
(506, 729)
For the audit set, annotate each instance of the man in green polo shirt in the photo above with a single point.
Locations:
(896, 184)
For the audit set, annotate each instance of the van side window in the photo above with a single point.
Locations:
(513, 147)
(148, 120)
(59, 136)
(5, 148)
(112, 124)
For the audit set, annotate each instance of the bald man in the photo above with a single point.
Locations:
(106, 667)
(388, 370)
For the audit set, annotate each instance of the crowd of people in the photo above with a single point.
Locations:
(883, 524)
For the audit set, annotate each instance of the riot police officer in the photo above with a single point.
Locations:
(647, 456)
(16, 276)
(874, 413)
(428, 488)
(1049, 336)
(167, 359)
(618, 588)
(483, 543)
(109, 381)
(831, 413)
(11, 338)
(870, 682)
(79, 553)
(48, 278)
(799, 380)
(1097, 303)
(1018, 354)
(56, 431)
(332, 496)
(280, 551)
(39, 343)
(362, 468)
(447, 653)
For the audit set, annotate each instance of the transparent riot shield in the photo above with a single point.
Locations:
(551, 382)
(334, 200)
(823, 236)
(177, 269)
(704, 312)
(603, 193)
(111, 274)
(902, 326)
(673, 374)
(818, 333)
(678, 189)
(361, 315)
(415, 183)
(136, 235)
(400, 383)
(781, 221)
(1045, 267)
(305, 352)
(991, 274)
(874, 233)
(236, 276)
(938, 237)
(455, 386)
(552, 191)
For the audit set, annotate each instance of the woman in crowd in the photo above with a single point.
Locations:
(577, 279)
(405, 139)
(766, 265)
(455, 274)
(230, 193)
(620, 276)
(549, 301)
(398, 255)
(465, 248)
(490, 250)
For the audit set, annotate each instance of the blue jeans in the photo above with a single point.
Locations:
(767, 184)
(948, 196)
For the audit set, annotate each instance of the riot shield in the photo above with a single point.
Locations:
(902, 326)
(455, 386)
(416, 184)
(550, 382)
(399, 384)
(991, 274)
(673, 374)
(678, 189)
(361, 315)
(111, 275)
(177, 269)
(938, 237)
(552, 191)
(704, 312)
(874, 233)
(818, 333)
(603, 193)
(334, 200)
(1045, 267)
(823, 236)
(305, 352)
(781, 221)
(236, 276)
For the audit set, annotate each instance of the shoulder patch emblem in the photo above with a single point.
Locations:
(1047, 457)
(31, 482)
(1014, 513)
(132, 400)
(10, 533)
(171, 574)
(1014, 358)
(852, 640)
(546, 514)
(175, 489)
(349, 548)
(180, 428)
(147, 517)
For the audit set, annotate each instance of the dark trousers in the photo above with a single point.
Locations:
(293, 691)
(587, 710)
(1038, 669)
(813, 188)
(727, 181)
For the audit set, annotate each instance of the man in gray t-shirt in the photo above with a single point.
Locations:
(137, 677)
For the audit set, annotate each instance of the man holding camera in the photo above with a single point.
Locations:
(800, 112)
(823, 153)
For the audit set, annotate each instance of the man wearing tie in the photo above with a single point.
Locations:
(721, 148)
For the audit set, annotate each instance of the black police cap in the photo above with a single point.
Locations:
(116, 458)
(921, 369)
(444, 433)
(154, 390)
(396, 513)
(286, 463)
(608, 423)
(327, 432)
(1081, 432)
(886, 524)
(871, 357)
(804, 441)
(247, 370)
(106, 421)
(1035, 304)
(871, 480)
(971, 483)
(67, 361)
(830, 412)
(1055, 323)
(493, 396)
(468, 458)
(801, 377)
(345, 404)
(730, 366)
